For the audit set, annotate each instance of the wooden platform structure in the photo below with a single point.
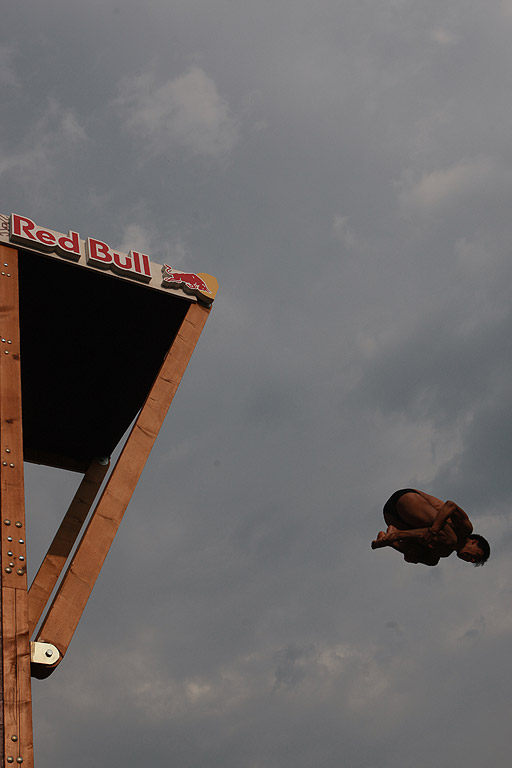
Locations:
(91, 342)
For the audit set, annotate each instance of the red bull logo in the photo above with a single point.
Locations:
(91, 252)
(188, 279)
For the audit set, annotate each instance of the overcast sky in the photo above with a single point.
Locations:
(344, 168)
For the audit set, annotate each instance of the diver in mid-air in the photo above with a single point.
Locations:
(425, 529)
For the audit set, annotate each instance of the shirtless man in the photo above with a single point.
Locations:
(425, 529)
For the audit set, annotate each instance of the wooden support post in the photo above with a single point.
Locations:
(64, 614)
(17, 743)
(51, 568)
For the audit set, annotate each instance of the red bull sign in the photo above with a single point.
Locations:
(23, 231)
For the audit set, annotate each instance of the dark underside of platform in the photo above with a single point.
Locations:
(91, 346)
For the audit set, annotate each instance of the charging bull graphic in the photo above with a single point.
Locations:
(187, 279)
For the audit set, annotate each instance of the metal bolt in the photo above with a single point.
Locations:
(9, 341)
(14, 738)
(21, 541)
(18, 524)
(12, 565)
(8, 570)
(9, 538)
(19, 760)
(4, 463)
(5, 265)
(10, 759)
(7, 522)
(20, 571)
(22, 558)
(49, 653)
(9, 554)
(11, 465)
(7, 450)
(6, 352)
(3, 339)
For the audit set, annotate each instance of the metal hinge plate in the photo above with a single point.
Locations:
(44, 653)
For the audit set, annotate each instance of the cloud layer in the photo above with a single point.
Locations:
(185, 112)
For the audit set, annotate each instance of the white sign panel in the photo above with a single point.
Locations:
(94, 253)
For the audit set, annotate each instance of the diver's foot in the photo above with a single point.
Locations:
(380, 541)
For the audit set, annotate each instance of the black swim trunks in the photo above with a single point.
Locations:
(390, 505)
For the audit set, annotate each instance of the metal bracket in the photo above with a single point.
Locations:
(44, 657)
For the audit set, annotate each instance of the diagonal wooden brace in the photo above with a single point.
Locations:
(64, 614)
(53, 564)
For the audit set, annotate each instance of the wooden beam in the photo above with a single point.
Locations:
(64, 614)
(18, 741)
(51, 568)
(17, 744)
